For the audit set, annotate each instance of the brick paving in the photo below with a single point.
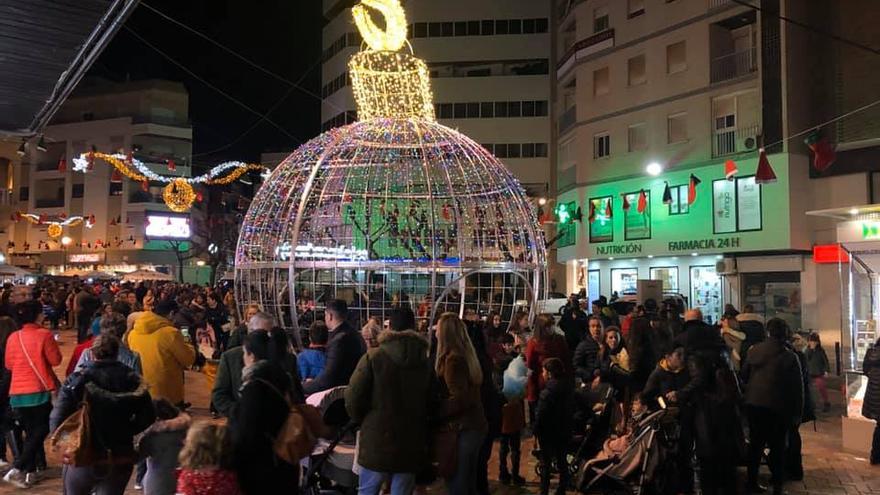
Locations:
(828, 470)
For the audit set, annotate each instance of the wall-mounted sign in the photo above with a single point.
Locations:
(310, 251)
(711, 243)
(615, 249)
(165, 226)
(871, 230)
(85, 258)
(830, 253)
(858, 231)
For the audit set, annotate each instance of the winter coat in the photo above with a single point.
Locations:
(642, 356)
(714, 416)
(391, 394)
(227, 384)
(119, 405)
(311, 362)
(586, 359)
(344, 350)
(161, 444)
(44, 353)
(662, 381)
(772, 378)
(871, 369)
(164, 355)
(461, 406)
(694, 334)
(574, 325)
(125, 356)
(809, 411)
(553, 416)
(254, 424)
(817, 362)
(614, 368)
(537, 351)
(733, 339)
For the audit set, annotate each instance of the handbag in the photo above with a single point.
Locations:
(300, 431)
(444, 451)
(72, 438)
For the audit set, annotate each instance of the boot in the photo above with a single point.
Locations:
(504, 475)
(514, 467)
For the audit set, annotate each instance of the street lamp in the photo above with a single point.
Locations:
(65, 241)
(654, 169)
(200, 263)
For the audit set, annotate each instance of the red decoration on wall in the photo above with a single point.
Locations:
(643, 202)
(609, 212)
(626, 204)
(171, 165)
(765, 173)
(62, 164)
(591, 214)
(692, 189)
(730, 169)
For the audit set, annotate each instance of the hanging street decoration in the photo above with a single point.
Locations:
(182, 194)
(730, 169)
(692, 189)
(55, 227)
(667, 194)
(609, 212)
(643, 202)
(824, 152)
(625, 202)
(591, 214)
(62, 164)
(765, 173)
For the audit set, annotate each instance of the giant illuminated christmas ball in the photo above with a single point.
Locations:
(394, 209)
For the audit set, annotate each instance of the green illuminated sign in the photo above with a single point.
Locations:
(871, 230)
(562, 213)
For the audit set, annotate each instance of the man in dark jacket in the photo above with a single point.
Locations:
(794, 467)
(751, 324)
(871, 404)
(666, 380)
(573, 322)
(227, 383)
(552, 424)
(344, 349)
(391, 394)
(119, 401)
(587, 351)
(694, 331)
(775, 400)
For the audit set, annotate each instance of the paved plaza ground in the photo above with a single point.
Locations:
(828, 470)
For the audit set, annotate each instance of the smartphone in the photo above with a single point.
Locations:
(662, 402)
(184, 331)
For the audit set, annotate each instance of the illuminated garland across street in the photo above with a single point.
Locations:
(55, 227)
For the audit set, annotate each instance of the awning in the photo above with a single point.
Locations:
(46, 46)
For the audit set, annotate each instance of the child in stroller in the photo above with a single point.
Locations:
(330, 468)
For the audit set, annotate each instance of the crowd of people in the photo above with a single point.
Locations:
(431, 401)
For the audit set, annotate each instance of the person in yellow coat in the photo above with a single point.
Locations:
(164, 352)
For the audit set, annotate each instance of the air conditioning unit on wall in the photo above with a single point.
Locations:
(748, 143)
(727, 266)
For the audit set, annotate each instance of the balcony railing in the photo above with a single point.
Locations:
(567, 119)
(584, 48)
(49, 203)
(734, 65)
(738, 140)
(717, 4)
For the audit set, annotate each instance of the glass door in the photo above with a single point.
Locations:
(706, 292)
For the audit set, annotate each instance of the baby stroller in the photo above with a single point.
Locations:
(592, 426)
(330, 467)
(640, 467)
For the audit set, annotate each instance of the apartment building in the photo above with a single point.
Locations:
(684, 86)
(149, 118)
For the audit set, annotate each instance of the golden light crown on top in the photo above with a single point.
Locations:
(388, 82)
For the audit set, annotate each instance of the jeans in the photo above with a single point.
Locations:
(510, 444)
(553, 455)
(770, 429)
(464, 481)
(483, 465)
(370, 482)
(35, 422)
(100, 480)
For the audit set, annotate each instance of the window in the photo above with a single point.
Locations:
(541, 108)
(514, 109)
(501, 26)
(602, 228)
(541, 150)
(736, 205)
(676, 57)
(461, 28)
(514, 26)
(513, 150)
(528, 26)
(624, 280)
(528, 109)
(473, 110)
(636, 8)
(501, 150)
(23, 193)
(600, 82)
(601, 145)
(487, 110)
(541, 25)
(676, 128)
(489, 147)
(667, 274)
(435, 29)
(116, 189)
(447, 29)
(473, 28)
(679, 205)
(637, 136)
(501, 109)
(488, 28)
(420, 30)
(528, 150)
(446, 111)
(600, 19)
(77, 191)
(637, 224)
(636, 71)
(460, 110)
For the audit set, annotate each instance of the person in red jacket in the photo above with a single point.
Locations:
(31, 352)
(544, 344)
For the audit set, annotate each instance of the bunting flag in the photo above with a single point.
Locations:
(62, 164)
(591, 214)
(667, 194)
(824, 153)
(609, 212)
(625, 202)
(692, 189)
(171, 165)
(643, 202)
(145, 185)
(765, 173)
(730, 169)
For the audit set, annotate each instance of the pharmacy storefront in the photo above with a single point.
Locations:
(692, 229)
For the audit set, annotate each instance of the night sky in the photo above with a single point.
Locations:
(284, 36)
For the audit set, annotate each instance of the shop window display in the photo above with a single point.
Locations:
(624, 280)
(668, 275)
(706, 292)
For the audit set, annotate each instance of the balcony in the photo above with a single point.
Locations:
(718, 4)
(49, 203)
(584, 48)
(734, 65)
(567, 119)
(738, 140)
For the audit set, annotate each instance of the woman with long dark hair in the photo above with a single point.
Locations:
(642, 355)
(817, 365)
